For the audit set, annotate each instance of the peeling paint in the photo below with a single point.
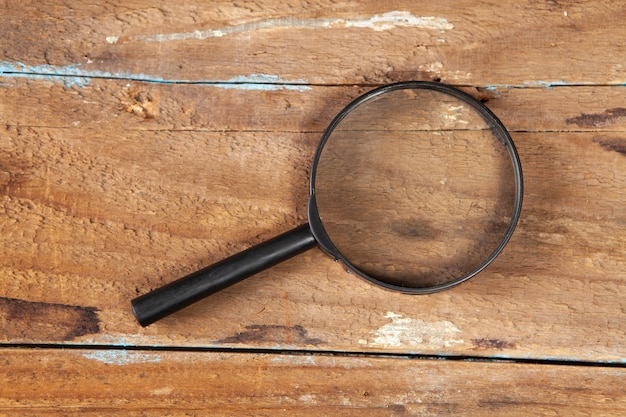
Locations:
(396, 19)
(69, 75)
(122, 357)
(386, 21)
(409, 332)
(75, 76)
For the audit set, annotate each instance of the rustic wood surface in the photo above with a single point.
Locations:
(140, 141)
(137, 383)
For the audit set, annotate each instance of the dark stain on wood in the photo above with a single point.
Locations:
(414, 229)
(261, 333)
(492, 344)
(44, 322)
(605, 118)
(14, 171)
(612, 144)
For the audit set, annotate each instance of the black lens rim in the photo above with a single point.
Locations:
(317, 227)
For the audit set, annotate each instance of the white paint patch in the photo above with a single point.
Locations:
(386, 21)
(305, 360)
(321, 361)
(70, 75)
(392, 20)
(434, 67)
(454, 113)
(308, 399)
(162, 391)
(408, 332)
(122, 357)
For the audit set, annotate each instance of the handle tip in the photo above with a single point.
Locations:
(143, 318)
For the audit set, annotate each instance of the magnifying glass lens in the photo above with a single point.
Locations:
(415, 188)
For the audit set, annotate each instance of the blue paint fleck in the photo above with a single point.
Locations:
(549, 84)
(69, 75)
(74, 75)
(122, 357)
(544, 84)
(264, 82)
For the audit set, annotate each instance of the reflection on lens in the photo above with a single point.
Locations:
(415, 188)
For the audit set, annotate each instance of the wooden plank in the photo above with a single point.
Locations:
(95, 216)
(114, 105)
(118, 382)
(467, 42)
(142, 140)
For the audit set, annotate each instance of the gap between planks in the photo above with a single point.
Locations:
(310, 352)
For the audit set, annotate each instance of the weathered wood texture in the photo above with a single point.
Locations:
(135, 383)
(141, 140)
(324, 42)
(97, 215)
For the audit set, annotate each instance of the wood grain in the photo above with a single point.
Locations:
(514, 43)
(96, 216)
(114, 382)
(140, 142)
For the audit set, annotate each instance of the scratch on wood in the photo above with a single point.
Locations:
(32, 320)
(605, 118)
(256, 333)
(386, 21)
(612, 144)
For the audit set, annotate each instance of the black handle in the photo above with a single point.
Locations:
(185, 291)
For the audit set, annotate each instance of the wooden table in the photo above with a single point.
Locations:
(140, 141)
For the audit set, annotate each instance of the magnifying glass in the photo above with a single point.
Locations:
(415, 186)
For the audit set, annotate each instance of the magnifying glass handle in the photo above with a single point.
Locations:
(185, 291)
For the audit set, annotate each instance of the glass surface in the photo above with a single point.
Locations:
(414, 188)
